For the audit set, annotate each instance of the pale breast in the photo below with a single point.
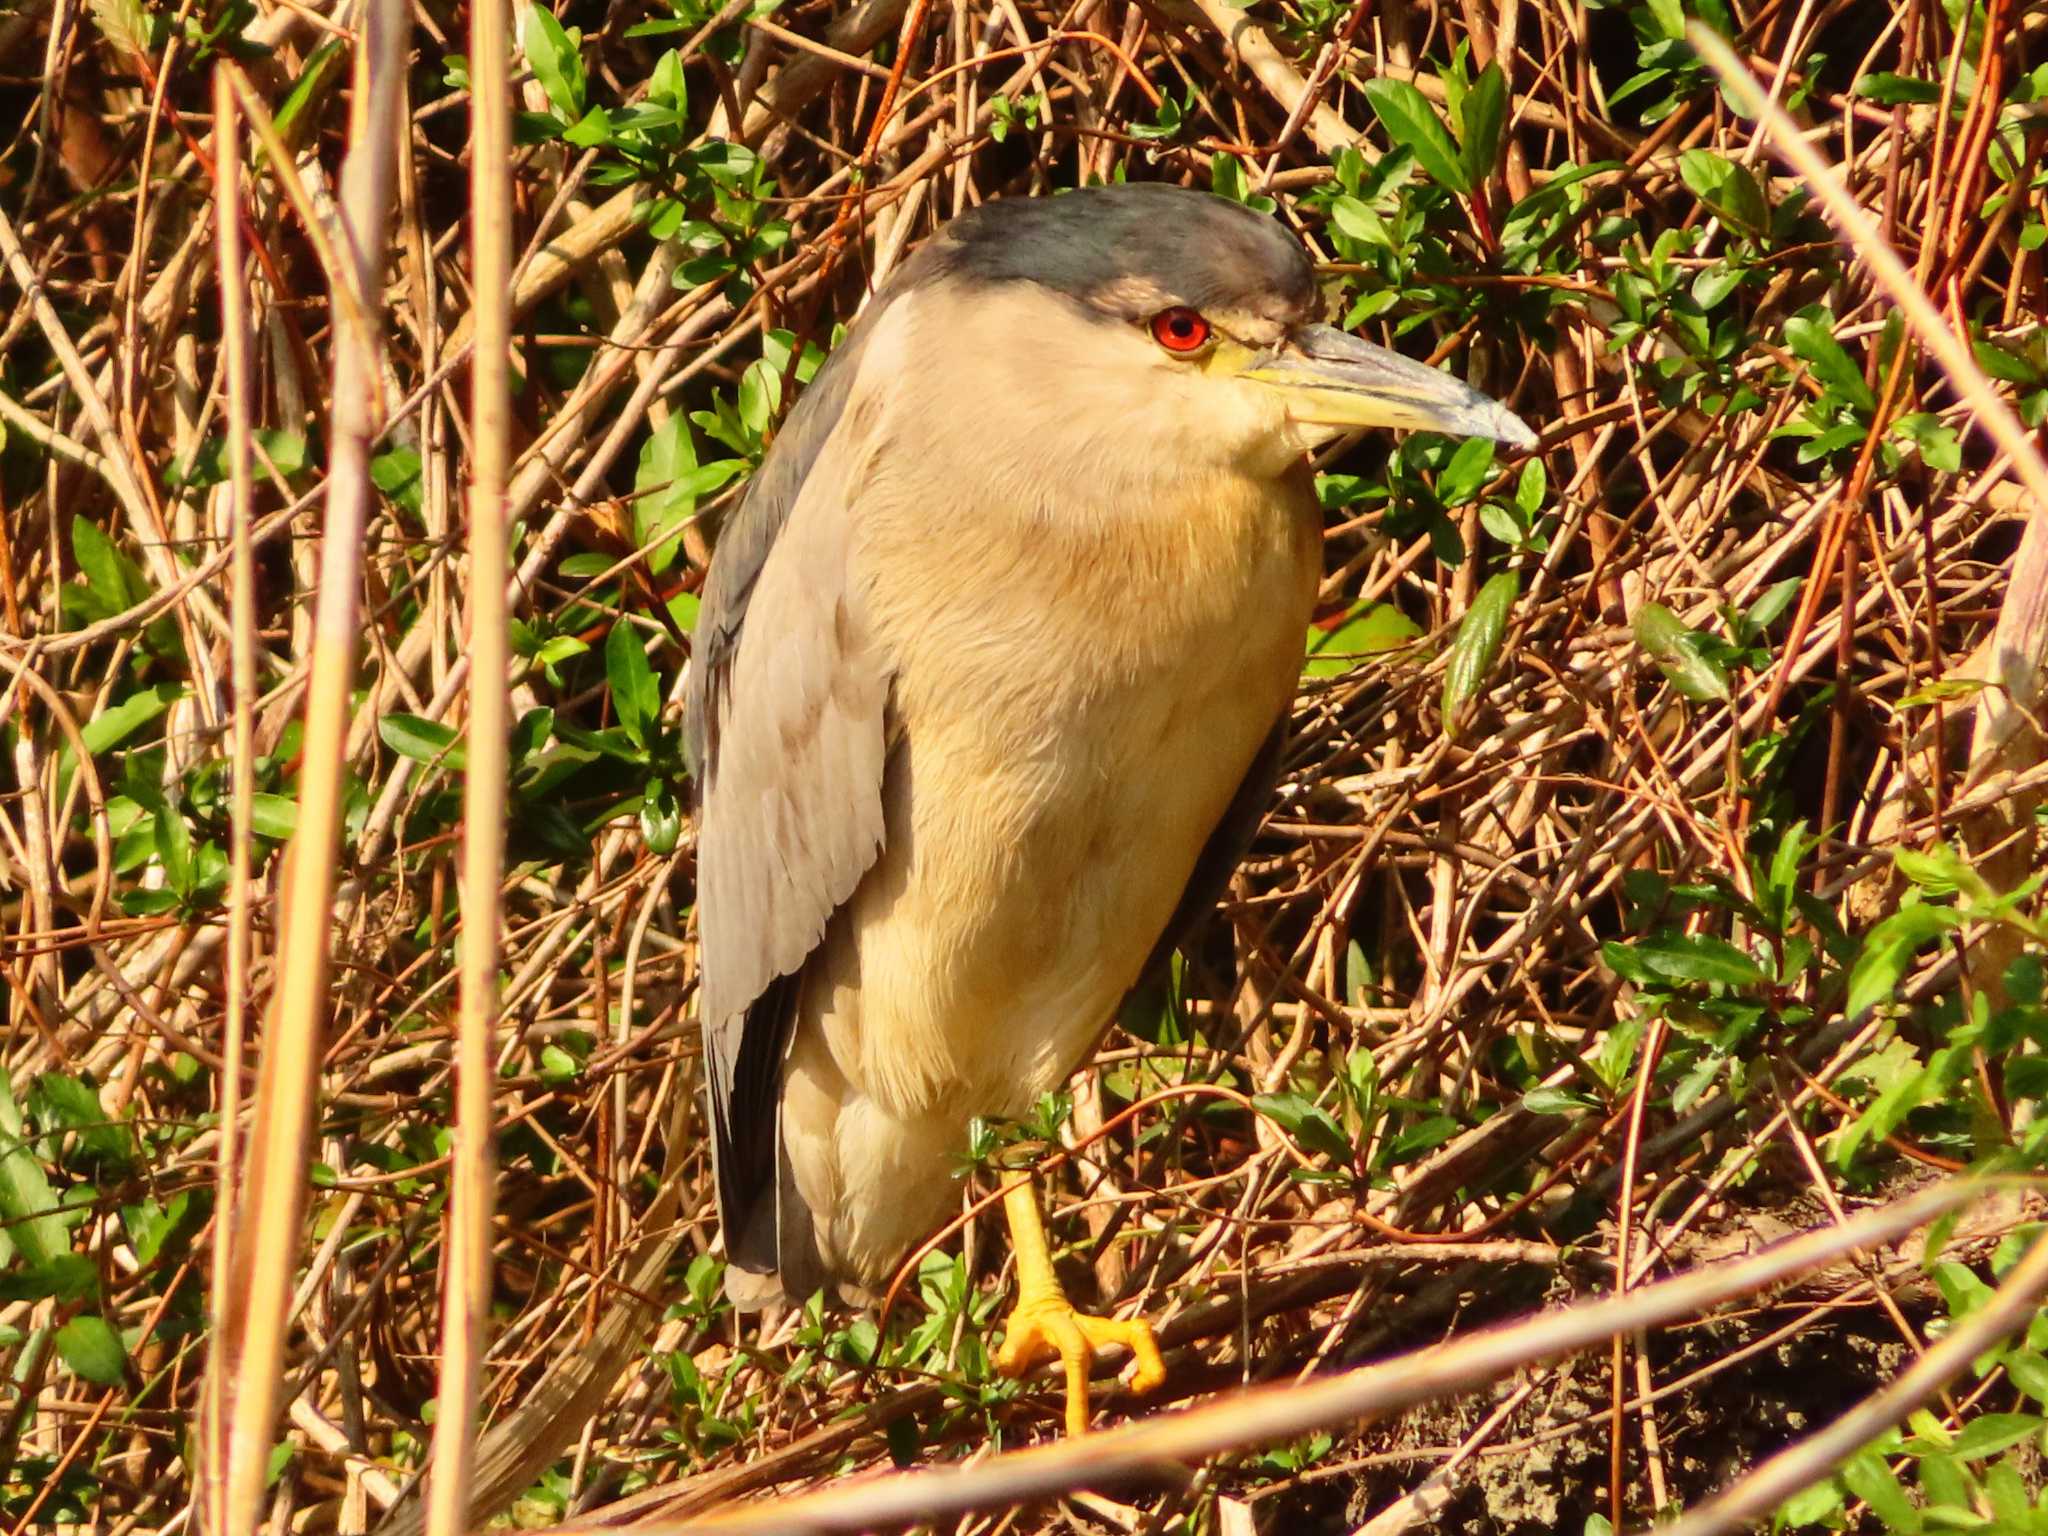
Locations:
(1067, 747)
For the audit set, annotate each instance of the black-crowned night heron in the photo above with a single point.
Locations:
(992, 671)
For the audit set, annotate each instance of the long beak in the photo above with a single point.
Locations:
(1334, 380)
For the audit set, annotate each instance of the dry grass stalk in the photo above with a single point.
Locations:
(251, 1359)
(466, 1309)
(235, 341)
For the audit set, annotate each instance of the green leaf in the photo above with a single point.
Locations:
(1478, 644)
(397, 474)
(1893, 90)
(273, 816)
(60, 1101)
(636, 694)
(1888, 952)
(1424, 1136)
(1467, 471)
(104, 567)
(29, 1222)
(1769, 608)
(1480, 119)
(1552, 191)
(424, 741)
(556, 59)
(208, 466)
(1990, 1433)
(1870, 1478)
(666, 486)
(151, 1226)
(174, 851)
(1726, 188)
(1941, 871)
(2029, 1372)
(323, 67)
(1364, 632)
(1715, 284)
(1356, 221)
(1310, 1126)
(1668, 956)
(117, 722)
(1811, 336)
(1940, 446)
(1820, 1504)
(2008, 367)
(92, 1349)
(590, 131)
(1555, 1101)
(1411, 122)
(1681, 654)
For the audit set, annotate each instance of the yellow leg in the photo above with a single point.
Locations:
(1045, 1325)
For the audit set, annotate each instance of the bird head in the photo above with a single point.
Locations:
(1163, 309)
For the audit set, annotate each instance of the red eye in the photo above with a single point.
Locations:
(1180, 330)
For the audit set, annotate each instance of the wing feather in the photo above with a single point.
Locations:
(786, 725)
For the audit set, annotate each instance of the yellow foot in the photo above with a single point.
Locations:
(1045, 1326)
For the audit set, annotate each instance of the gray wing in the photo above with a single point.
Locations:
(785, 726)
(1220, 856)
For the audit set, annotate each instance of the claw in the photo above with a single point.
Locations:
(1045, 1325)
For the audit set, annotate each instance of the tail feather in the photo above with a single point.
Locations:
(772, 1246)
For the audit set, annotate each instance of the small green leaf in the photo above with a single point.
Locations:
(592, 130)
(273, 816)
(1811, 336)
(116, 723)
(28, 1205)
(1870, 1478)
(1726, 188)
(1888, 952)
(1990, 1433)
(397, 473)
(1468, 470)
(1820, 1504)
(1681, 654)
(556, 59)
(1669, 956)
(323, 66)
(1310, 1126)
(104, 567)
(1478, 644)
(1356, 221)
(1941, 871)
(1480, 120)
(1555, 1101)
(1893, 90)
(1364, 632)
(1769, 608)
(151, 1226)
(2029, 1372)
(636, 694)
(1411, 122)
(63, 1103)
(174, 850)
(1715, 284)
(92, 1349)
(423, 741)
